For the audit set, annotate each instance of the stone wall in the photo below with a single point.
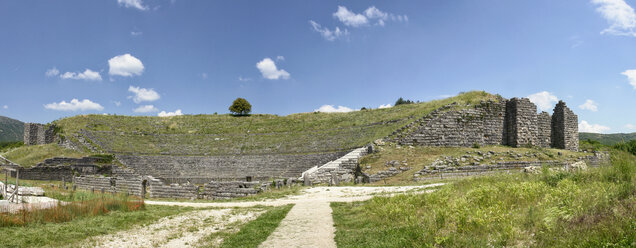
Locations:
(203, 169)
(122, 181)
(513, 122)
(228, 190)
(443, 172)
(565, 129)
(38, 134)
(59, 169)
(544, 124)
(520, 123)
(482, 124)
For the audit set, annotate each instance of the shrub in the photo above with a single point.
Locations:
(240, 106)
(401, 101)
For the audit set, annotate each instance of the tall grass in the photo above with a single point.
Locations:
(593, 208)
(64, 212)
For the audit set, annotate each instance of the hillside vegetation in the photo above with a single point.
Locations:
(254, 134)
(11, 130)
(608, 139)
(594, 208)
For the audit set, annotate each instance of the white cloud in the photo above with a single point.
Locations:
(349, 18)
(117, 103)
(631, 76)
(143, 95)
(145, 109)
(52, 72)
(388, 105)
(242, 79)
(619, 15)
(269, 70)
(5, 107)
(136, 33)
(87, 75)
(589, 105)
(204, 75)
(168, 114)
(544, 100)
(137, 4)
(628, 126)
(125, 65)
(328, 34)
(281, 58)
(74, 105)
(373, 12)
(332, 109)
(592, 128)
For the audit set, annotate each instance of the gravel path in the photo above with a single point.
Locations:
(309, 223)
(183, 230)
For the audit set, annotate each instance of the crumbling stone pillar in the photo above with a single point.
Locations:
(544, 126)
(565, 129)
(520, 122)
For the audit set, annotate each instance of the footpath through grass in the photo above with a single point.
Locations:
(253, 233)
(594, 208)
(61, 234)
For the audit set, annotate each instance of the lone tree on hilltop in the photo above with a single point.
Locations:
(240, 106)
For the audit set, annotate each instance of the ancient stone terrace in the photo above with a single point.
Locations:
(513, 122)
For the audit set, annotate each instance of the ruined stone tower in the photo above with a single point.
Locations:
(520, 123)
(38, 134)
(565, 130)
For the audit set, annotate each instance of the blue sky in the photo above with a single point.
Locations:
(152, 57)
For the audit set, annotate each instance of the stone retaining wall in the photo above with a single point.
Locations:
(511, 122)
(228, 190)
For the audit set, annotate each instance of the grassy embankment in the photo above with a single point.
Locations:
(250, 234)
(593, 208)
(28, 156)
(255, 134)
(419, 157)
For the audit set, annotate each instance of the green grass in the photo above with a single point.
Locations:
(594, 208)
(56, 235)
(28, 156)
(420, 156)
(254, 134)
(255, 232)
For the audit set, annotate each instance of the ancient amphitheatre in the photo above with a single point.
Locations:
(156, 123)
(163, 158)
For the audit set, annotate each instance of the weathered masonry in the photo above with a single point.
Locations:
(38, 134)
(513, 122)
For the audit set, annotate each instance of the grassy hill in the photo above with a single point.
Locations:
(608, 139)
(11, 130)
(255, 134)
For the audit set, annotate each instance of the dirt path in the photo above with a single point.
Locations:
(309, 223)
(183, 230)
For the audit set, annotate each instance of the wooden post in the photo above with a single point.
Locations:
(17, 184)
(6, 182)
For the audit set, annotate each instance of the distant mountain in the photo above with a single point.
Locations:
(608, 139)
(11, 130)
